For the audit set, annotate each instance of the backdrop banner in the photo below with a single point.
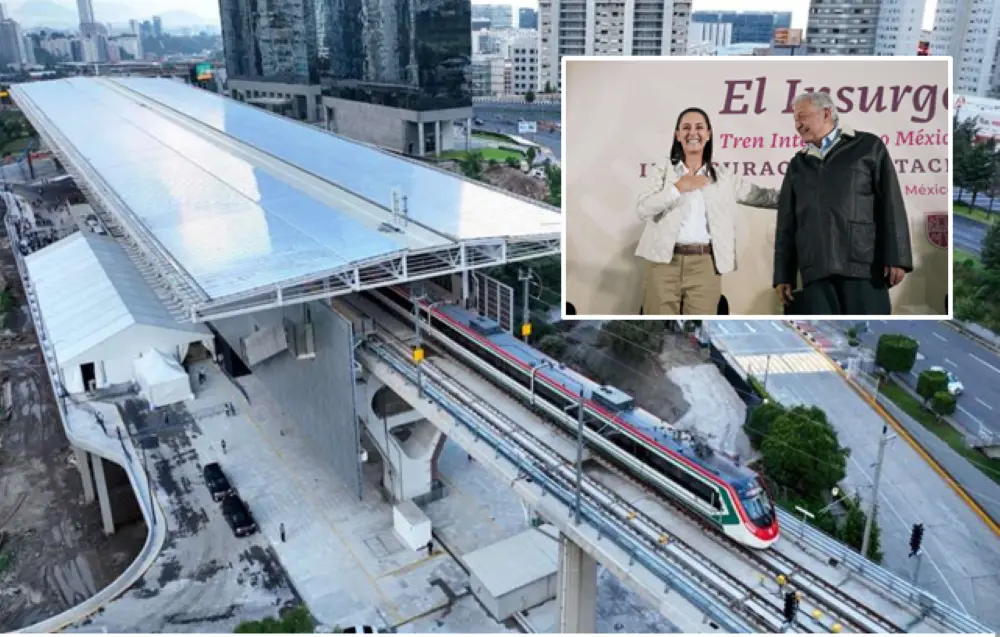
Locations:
(619, 125)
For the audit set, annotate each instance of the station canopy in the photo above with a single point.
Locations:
(238, 209)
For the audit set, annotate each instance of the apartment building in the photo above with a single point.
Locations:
(900, 25)
(842, 27)
(608, 27)
(968, 31)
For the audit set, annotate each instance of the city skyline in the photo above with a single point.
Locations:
(799, 8)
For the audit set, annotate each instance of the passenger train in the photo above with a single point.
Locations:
(725, 494)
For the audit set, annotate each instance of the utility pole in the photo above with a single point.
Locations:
(767, 370)
(524, 276)
(579, 453)
(882, 443)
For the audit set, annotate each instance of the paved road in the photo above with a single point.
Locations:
(505, 121)
(969, 234)
(981, 201)
(977, 367)
(962, 560)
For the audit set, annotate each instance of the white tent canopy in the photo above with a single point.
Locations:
(162, 380)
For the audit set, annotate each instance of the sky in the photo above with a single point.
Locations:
(799, 8)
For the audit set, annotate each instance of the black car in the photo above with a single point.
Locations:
(238, 516)
(217, 482)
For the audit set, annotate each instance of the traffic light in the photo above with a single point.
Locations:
(791, 606)
(916, 537)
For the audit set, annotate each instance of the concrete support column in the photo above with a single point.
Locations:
(468, 134)
(577, 589)
(83, 465)
(102, 496)
(421, 140)
(437, 138)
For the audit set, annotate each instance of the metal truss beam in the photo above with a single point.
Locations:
(189, 301)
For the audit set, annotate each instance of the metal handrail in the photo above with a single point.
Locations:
(607, 528)
(147, 504)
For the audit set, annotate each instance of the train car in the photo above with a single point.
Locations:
(726, 494)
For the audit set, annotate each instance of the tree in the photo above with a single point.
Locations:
(760, 420)
(530, 155)
(930, 382)
(978, 166)
(852, 530)
(990, 254)
(553, 177)
(548, 88)
(529, 97)
(896, 353)
(802, 452)
(943, 403)
(295, 620)
(634, 340)
(553, 345)
(472, 165)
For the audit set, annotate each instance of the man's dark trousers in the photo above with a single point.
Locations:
(846, 296)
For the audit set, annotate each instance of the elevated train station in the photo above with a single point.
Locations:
(250, 224)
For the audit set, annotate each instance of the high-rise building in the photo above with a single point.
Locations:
(88, 24)
(3, 11)
(899, 27)
(842, 27)
(748, 26)
(968, 31)
(11, 44)
(86, 11)
(135, 29)
(388, 69)
(276, 46)
(501, 16)
(157, 26)
(527, 18)
(715, 33)
(29, 50)
(606, 27)
(523, 55)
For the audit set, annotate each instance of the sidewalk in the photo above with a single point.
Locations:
(981, 493)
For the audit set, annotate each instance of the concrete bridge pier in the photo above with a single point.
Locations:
(408, 443)
(94, 479)
(576, 590)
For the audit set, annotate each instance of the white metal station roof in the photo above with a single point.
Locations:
(89, 291)
(241, 209)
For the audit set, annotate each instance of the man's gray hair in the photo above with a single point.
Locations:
(819, 99)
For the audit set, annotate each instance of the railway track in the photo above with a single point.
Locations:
(832, 604)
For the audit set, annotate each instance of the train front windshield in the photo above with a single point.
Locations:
(758, 505)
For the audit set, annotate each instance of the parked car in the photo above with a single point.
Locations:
(238, 516)
(217, 482)
(955, 386)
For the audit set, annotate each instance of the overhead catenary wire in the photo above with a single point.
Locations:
(645, 349)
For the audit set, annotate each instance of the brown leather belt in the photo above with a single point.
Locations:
(692, 249)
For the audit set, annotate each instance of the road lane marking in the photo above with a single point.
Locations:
(940, 337)
(777, 326)
(986, 405)
(985, 363)
(951, 362)
(966, 412)
(750, 327)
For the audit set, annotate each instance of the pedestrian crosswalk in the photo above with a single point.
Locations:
(793, 363)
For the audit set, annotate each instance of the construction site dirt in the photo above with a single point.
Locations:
(53, 551)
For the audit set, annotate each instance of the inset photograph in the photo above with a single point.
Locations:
(757, 186)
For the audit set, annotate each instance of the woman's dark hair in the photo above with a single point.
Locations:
(677, 149)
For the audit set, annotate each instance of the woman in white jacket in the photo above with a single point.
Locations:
(689, 240)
